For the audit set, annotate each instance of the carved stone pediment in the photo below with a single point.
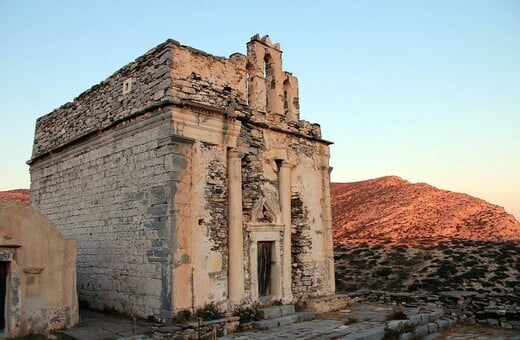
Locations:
(267, 208)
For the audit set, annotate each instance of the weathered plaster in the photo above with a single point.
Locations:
(41, 284)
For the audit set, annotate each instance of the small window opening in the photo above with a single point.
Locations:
(127, 85)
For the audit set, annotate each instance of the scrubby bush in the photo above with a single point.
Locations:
(210, 311)
(396, 314)
(248, 313)
(182, 316)
(384, 271)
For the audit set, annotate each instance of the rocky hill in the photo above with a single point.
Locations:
(20, 195)
(392, 211)
(397, 236)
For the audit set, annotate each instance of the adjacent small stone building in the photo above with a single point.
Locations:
(187, 179)
(37, 273)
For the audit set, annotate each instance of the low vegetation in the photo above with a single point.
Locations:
(248, 313)
(485, 267)
(210, 311)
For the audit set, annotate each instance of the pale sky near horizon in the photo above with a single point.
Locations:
(425, 90)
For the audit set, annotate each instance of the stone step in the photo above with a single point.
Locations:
(276, 311)
(420, 325)
(285, 320)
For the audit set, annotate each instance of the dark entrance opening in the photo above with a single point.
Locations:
(264, 268)
(3, 293)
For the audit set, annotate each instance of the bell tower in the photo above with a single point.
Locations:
(271, 91)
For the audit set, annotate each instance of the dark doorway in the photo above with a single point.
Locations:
(3, 292)
(264, 268)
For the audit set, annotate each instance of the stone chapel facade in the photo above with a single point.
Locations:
(187, 179)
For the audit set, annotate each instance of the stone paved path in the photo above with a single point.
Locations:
(362, 321)
(316, 329)
(99, 326)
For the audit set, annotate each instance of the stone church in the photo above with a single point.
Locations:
(186, 179)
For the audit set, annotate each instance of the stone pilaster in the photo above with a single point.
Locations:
(285, 208)
(236, 241)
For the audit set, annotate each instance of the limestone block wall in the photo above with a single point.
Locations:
(169, 73)
(138, 85)
(41, 281)
(114, 195)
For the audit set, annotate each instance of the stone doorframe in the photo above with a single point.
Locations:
(272, 233)
(12, 292)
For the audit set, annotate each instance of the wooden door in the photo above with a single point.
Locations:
(264, 267)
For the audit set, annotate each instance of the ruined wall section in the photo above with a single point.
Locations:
(216, 82)
(302, 247)
(169, 73)
(311, 248)
(313, 272)
(120, 186)
(211, 242)
(114, 195)
(215, 193)
(138, 85)
(273, 95)
(252, 143)
(201, 256)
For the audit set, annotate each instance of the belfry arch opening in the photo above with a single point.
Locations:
(286, 95)
(270, 82)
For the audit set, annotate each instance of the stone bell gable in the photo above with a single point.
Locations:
(187, 179)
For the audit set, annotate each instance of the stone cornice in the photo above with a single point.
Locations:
(166, 103)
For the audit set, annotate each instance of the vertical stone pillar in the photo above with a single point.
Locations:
(265, 82)
(327, 232)
(274, 77)
(235, 241)
(285, 208)
(291, 105)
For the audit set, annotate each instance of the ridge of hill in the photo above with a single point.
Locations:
(20, 195)
(390, 210)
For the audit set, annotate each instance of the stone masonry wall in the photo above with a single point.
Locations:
(114, 195)
(215, 194)
(138, 85)
(201, 78)
(251, 139)
(169, 73)
(302, 272)
(310, 184)
(135, 169)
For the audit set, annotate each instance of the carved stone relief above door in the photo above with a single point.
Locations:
(266, 233)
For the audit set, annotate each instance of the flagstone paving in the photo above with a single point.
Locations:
(360, 321)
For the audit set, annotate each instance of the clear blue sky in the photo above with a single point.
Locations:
(426, 90)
